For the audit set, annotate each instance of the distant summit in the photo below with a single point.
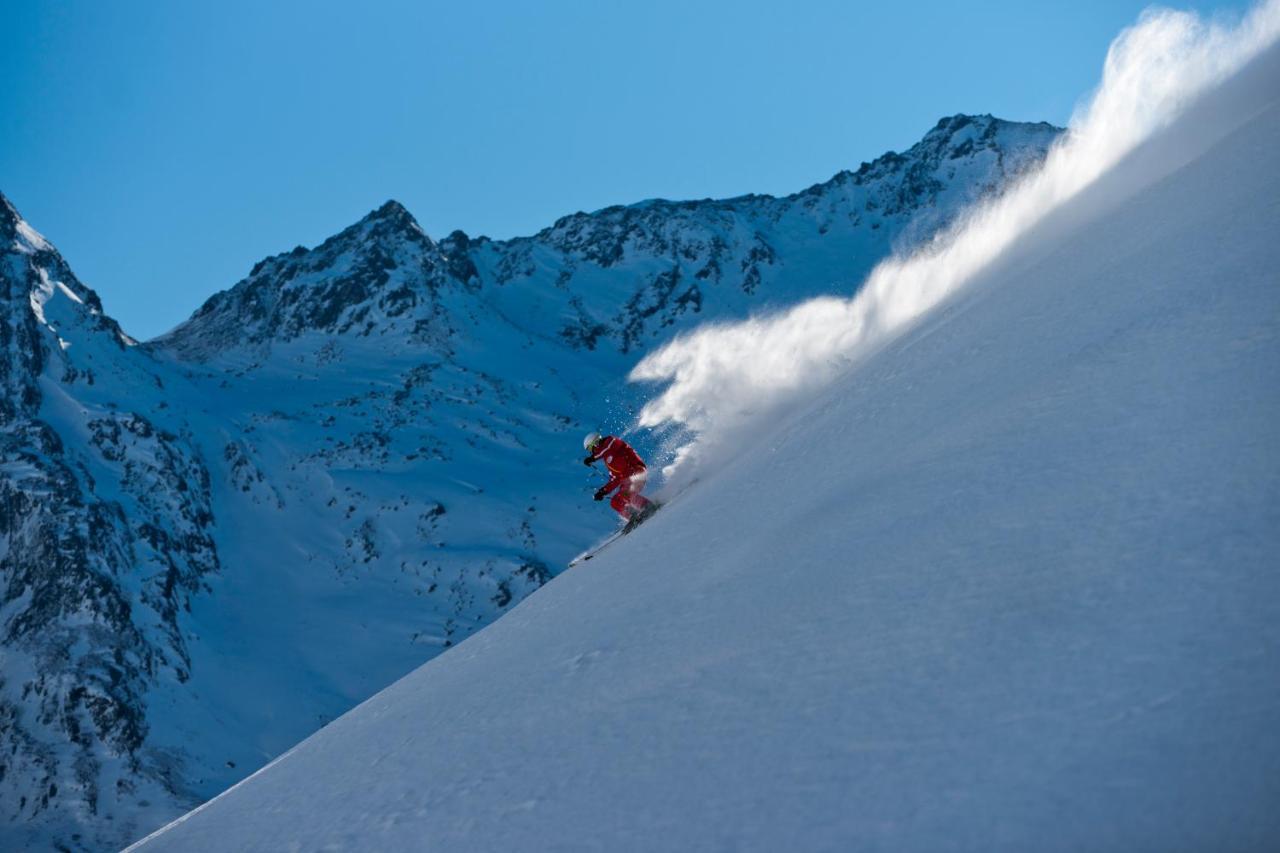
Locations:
(646, 269)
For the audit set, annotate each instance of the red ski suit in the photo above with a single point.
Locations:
(627, 474)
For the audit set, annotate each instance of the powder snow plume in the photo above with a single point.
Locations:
(722, 378)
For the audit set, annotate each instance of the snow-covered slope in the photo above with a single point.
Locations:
(217, 542)
(1008, 584)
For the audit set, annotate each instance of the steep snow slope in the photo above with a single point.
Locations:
(1009, 585)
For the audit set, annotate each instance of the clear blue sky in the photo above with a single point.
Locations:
(166, 146)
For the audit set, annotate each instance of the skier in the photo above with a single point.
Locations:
(627, 474)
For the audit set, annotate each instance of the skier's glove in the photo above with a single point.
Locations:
(588, 461)
(600, 493)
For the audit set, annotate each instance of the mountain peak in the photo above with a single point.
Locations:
(380, 273)
(10, 219)
(959, 120)
(390, 209)
(970, 126)
(16, 233)
(960, 129)
(391, 222)
(8, 213)
(394, 215)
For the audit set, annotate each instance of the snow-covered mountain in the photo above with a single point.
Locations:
(105, 534)
(1007, 584)
(627, 275)
(216, 542)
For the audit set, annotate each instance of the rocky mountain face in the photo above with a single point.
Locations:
(381, 276)
(105, 533)
(217, 541)
(626, 275)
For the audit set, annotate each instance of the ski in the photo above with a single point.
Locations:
(617, 534)
(628, 527)
(597, 548)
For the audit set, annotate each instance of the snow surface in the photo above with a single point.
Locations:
(1008, 584)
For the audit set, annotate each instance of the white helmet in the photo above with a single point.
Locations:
(592, 439)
